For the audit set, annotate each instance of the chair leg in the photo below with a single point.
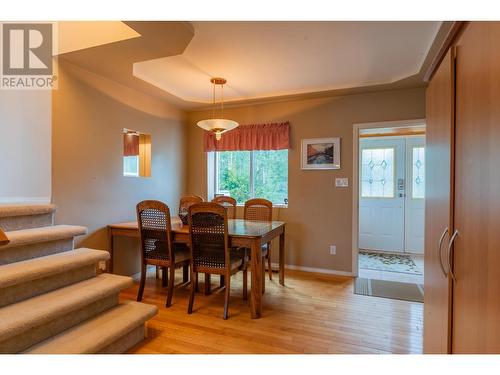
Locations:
(263, 276)
(164, 276)
(270, 269)
(143, 282)
(185, 273)
(197, 285)
(208, 284)
(245, 283)
(222, 282)
(170, 290)
(226, 297)
(194, 286)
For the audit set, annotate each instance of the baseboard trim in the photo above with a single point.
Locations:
(25, 200)
(275, 266)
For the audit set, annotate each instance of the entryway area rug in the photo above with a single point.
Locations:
(401, 263)
(389, 289)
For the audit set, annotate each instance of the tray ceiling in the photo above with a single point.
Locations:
(267, 59)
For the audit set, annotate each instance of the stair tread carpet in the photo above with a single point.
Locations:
(44, 234)
(25, 315)
(38, 268)
(97, 333)
(11, 210)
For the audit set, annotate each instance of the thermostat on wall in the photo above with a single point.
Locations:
(341, 182)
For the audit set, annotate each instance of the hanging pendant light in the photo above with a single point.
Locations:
(218, 125)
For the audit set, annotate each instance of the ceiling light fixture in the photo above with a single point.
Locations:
(218, 125)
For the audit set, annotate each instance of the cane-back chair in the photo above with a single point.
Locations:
(157, 246)
(261, 210)
(210, 252)
(229, 204)
(184, 204)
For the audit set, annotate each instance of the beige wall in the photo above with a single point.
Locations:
(25, 118)
(318, 214)
(89, 113)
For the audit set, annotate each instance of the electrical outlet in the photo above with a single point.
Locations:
(341, 182)
(333, 249)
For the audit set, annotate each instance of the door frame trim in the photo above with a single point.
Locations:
(355, 175)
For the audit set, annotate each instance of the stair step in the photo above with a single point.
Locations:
(31, 321)
(44, 234)
(25, 279)
(99, 333)
(35, 242)
(17, 216)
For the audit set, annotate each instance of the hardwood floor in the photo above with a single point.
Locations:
(312, 314)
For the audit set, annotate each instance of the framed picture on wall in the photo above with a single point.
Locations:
(321, 153)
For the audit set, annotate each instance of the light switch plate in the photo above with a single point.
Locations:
(341, 182)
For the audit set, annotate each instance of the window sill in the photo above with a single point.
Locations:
(280, 205)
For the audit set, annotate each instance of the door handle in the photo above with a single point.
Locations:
(440, 245)
(450, 254)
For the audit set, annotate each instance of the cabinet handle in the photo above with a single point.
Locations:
(450, 254)
(439, 251)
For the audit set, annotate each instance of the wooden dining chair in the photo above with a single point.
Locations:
(229, 204)
(184, 204)
(210, 252)
(261, 210)
(157, 246)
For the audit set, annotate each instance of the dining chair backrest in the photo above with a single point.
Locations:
(208, 235)
(258, 209)
(184, 204)
(229, 204)
(153, 219)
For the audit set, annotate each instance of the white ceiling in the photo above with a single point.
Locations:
(78, 35)
(265, 59)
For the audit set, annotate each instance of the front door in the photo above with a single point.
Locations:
(382, 194)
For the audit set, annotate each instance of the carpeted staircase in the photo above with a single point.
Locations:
(51, 298)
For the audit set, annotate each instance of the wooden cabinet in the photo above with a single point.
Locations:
(462, 309)
(476, 253)
(438, 208)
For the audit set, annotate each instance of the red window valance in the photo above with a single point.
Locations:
(274, 136)
(130, 144)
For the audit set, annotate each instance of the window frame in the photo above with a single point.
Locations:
(213, 176)
(128, 174)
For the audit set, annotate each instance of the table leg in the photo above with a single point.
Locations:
(256, 282)
(282, 258)
(110, 250)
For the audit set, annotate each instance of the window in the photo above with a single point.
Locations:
(418, 173)
(136, 154)
(377, 173)
(252, 174)
(131, 166)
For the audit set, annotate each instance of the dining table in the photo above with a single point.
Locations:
(249, 234)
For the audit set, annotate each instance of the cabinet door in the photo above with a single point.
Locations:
(438, 206)
(476, 253)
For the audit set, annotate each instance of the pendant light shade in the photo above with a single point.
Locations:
(218, 125)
